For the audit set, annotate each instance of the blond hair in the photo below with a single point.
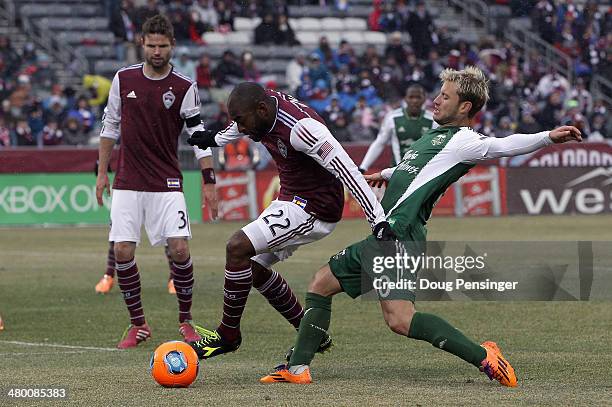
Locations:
(472, 86)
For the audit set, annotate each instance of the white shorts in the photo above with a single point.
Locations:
(280, 229)
(164, 215)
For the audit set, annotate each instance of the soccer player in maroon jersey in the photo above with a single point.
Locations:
(312, 167)
(149, 105)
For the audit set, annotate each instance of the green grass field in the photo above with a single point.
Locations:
(561, 350)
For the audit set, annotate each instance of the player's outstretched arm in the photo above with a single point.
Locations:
(376, 148)
(476, 147)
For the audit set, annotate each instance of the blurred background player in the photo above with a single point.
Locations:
(402, 127)
(312, 168)
(149, 105)
(440, 158)
(108, 279)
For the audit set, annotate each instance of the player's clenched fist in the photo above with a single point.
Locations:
(203, 139)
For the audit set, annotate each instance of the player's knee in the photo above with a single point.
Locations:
(238, 247)
(399, 321)
(323, 283)
(124, 251)
(179, 250)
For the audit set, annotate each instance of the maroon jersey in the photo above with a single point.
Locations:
(152, 114)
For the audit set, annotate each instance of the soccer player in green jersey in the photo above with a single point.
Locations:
(402, 127)
(435, 161)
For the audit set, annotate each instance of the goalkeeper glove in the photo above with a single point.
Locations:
(382, 231)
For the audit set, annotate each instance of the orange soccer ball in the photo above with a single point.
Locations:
(174, 364)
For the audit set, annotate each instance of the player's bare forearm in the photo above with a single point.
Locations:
(104, 153)
(209, 192)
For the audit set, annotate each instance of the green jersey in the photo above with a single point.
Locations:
(401, 131)
(435, 161)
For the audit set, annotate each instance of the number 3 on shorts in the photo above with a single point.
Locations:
(285, 224)
(184, 219)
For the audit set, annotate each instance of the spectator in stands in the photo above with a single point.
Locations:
(73, 133)
(317, 71)
(197, 28)
(10, 58)
(294, 71)
(582, 95)
(528, 124)
(365, 113)
(390, 20)
(204, 75)
(336, 119)
(228, 72)
(35, 116)
(432, 70)
(183, 64)
(98, 87)
(23, 134)
(327, 55)
(267, 31)
(180, 21)
(420, 27)
(122, 25)
(550, 82)
(374, 16)
(346, 82)
(286, 35)
(145, 12)
(43, 76)
(21, 95)
(249, 68)
(542, 19)
(83, 114)
(5, 133)
(56, 111)
(225, 17)
(51, 134)
(395, 48)
(598, 128)
(553, 108)
(369, 55)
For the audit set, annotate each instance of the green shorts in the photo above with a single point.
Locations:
(367, 266)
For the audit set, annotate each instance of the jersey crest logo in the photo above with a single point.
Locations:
(168, 99)
(282, 148)
(439, 139)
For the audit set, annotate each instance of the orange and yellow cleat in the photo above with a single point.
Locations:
(1, 324)
(105, 284)
(282, 374)
(495, 366)
(171, 288)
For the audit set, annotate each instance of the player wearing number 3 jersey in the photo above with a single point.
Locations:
(149, 105)
(313, 167)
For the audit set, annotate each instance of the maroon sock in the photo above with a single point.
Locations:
(235, 292)
(110, 261)
(129, 282)
(182, 273)
(281, 297)
(169, 258)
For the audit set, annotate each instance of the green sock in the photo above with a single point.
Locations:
(441, 334)
(313, 326)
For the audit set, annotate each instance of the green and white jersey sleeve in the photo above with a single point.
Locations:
(385, 135)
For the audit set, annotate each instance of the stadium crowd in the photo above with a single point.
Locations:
(351, 90)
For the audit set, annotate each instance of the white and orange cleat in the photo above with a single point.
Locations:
(105, 284)
(1, 324)
(282, 374)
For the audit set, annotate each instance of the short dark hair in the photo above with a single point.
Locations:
(158, 24)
